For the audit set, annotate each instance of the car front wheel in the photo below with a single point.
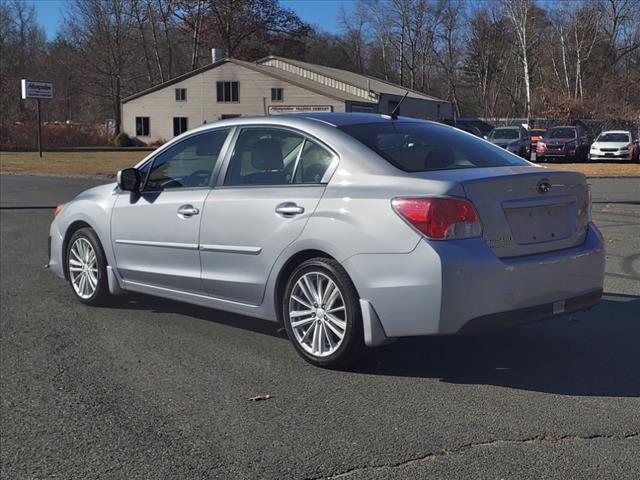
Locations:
(322, 315)
(87, 267)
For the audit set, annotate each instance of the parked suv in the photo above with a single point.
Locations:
(566, 143)
(514, 139)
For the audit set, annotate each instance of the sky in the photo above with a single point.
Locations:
(323, 13)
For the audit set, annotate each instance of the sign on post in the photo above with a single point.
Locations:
(31, 89)
(37, 90)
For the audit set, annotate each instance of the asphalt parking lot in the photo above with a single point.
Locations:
(156, 389)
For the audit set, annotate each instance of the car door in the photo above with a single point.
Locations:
(155, 233)
(273, 183)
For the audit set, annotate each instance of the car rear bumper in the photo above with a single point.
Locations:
(496, 321)
(441, 287)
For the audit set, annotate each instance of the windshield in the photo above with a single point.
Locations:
(614, 137)
(421, 147)
(561, 133)
(504, 134)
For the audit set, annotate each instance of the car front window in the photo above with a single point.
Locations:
(187, 164)
(561, 133)
(614, 138)
(505, 134)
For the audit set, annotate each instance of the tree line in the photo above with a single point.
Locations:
(495, 58)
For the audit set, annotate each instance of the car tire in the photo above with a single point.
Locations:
(333, 338)
(86, 267)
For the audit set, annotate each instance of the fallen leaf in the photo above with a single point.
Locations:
(259, 398)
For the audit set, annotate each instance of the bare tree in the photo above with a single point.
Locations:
(519, 13)
(103, 31)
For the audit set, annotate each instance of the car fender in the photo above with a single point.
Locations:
(94, 208)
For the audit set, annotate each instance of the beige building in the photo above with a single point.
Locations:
(271, 86)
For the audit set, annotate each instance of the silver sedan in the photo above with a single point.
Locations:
(350, 229)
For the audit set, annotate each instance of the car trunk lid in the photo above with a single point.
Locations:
(530, 210)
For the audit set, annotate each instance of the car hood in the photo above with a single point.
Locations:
(98, 193)
(502, 141)
(557, 140)
(610, 144)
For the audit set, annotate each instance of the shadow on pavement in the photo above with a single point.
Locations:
(595, 353)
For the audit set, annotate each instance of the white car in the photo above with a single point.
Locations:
(612, 145)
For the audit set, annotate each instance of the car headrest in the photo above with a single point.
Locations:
(266, 155)
(439, 157)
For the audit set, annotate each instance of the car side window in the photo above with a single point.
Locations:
(313, 163)
(187, 164)
(264, 156)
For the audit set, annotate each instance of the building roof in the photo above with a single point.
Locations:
(330, 82)
(359, 80)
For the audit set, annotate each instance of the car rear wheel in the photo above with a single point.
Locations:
(322, 315)
(87, 267)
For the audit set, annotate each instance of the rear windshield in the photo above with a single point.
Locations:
(504, 134)
(422, 147)
(614, 137)
(561, 133)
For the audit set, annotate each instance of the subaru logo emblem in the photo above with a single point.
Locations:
(543, 186)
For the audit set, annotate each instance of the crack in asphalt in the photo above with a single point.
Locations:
(451, 451)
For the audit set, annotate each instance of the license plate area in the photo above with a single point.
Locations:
(538, 224)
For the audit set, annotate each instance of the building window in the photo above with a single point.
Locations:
(142, 126)
(361, 109)
(276, 94)
(181, 94)
(228, 91)
(179, 125)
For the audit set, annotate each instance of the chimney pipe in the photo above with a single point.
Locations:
(217, 54)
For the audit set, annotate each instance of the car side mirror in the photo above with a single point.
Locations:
(129, 179)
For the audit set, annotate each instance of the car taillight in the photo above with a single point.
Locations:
(440, 218)
(541, 146)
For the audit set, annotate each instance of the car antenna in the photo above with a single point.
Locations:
(396, 110)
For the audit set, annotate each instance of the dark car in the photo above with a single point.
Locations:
(471, 125)
(514, 139)
(564, 143)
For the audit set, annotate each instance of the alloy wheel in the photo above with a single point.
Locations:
(83, 268)
(317, 314)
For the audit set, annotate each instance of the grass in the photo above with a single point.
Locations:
(106, 164)
(69, 164)
(600, 169)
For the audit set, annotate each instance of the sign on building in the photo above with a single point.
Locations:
(281, 109)
(31, 89)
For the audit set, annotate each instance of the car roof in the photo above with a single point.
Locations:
(333, 119)
(616, 131)
(339, 119)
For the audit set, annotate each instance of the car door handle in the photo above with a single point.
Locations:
(289, 209)
(187, 211)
